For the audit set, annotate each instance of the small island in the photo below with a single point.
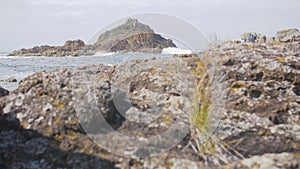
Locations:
(132, 36)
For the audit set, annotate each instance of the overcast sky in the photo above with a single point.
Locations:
(25, 23)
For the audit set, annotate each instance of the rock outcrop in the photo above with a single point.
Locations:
(284, 36)
(131, 36)
(258, 127)
(70, 48)
(253, 37)
(109, 38)
(289, 35)
(143, 42)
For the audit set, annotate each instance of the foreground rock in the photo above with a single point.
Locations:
(258, 128)
(23, 148)
(262, 110)
(274, 161)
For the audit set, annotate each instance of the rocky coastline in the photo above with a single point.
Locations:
(259, 125)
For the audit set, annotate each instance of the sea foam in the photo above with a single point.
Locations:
(173, 50)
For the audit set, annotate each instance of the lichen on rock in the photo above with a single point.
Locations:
(259, 125)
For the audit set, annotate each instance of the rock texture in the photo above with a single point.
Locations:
(131, 36)
(274, 161)
(262, 110)
(259, 126)
(143, 42)
(24, 148)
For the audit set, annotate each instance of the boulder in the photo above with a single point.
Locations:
(3, 92)
(253, 37)
(23, 148)
(289, 35)
(74, 45)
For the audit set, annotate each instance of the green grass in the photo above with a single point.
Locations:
(201, 115)
(207, 101)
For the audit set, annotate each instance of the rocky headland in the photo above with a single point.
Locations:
(258, 124)
(132, 36)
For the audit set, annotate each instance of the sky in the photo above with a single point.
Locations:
(27, 23)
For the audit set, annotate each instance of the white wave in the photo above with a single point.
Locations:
(20, 57)
(172, 50)
(103, 54)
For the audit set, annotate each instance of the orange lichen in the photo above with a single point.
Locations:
(152, 70)
(60, 106)
(56, 121)
(237, 85)
(24, 124)
(55, 102)
(280, 59)
(167, 122)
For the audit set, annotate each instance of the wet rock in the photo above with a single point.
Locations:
(3, 92)
(289, 35)
(11, 79)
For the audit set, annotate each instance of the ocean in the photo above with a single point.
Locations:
(20, 66)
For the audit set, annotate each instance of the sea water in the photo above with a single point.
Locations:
(21, 66)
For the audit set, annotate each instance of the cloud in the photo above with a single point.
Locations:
(69, 14)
